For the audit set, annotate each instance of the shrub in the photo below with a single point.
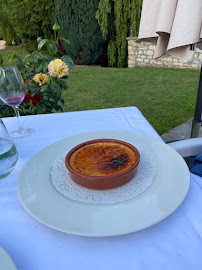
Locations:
(45, 78)
(78, 23)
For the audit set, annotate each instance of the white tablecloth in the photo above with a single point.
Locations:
(174, 243)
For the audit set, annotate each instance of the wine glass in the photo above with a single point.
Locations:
(12, 93)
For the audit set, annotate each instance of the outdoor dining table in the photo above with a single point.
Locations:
(173, 243)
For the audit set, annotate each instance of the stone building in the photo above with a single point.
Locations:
(140, 53)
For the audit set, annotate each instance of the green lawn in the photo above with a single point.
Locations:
(19, 50)
(166, 97)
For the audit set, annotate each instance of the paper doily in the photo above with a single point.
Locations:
(142, 180)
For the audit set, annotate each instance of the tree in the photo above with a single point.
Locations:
(24, 19)
(124, 14)
(78, 24)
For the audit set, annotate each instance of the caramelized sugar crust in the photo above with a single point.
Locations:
(102, 159)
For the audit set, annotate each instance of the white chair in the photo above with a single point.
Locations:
(188, 148)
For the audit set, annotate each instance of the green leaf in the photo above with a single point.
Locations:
(36, 56)
(56, 90)
(31, 86)
(65, 40)
(45, 67)
(68, 60)
(33, 89)
(65, 77)
(52, 48)
(57, 108)
(28, 55)
(43, 87)
(42, 43)
(47, 103)
(47, 56)
(20, 61)
(40, 56)
(27, 106)
(11, 56)
(41, 108)
(63, 83)
(39, 67)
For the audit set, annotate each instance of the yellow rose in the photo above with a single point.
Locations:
(58, 68)
(40, 78)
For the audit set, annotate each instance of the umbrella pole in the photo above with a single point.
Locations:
(196, 125)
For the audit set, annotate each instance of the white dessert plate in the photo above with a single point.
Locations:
(164, 195)
(6, 261)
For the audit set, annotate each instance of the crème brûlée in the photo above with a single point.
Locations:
(102, 159)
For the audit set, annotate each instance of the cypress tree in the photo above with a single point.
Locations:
(78, 24)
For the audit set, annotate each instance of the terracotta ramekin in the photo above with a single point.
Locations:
(103, 182)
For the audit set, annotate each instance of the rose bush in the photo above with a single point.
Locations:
(45, 77)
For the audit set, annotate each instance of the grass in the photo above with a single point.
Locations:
(18, 50)
(166, 97)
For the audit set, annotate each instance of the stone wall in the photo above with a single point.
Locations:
(140, 53)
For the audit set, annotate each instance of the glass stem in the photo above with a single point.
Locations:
(16, 109)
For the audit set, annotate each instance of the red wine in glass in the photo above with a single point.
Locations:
(12, 93)
(13, 101)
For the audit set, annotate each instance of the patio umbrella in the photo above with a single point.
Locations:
(176, 28)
